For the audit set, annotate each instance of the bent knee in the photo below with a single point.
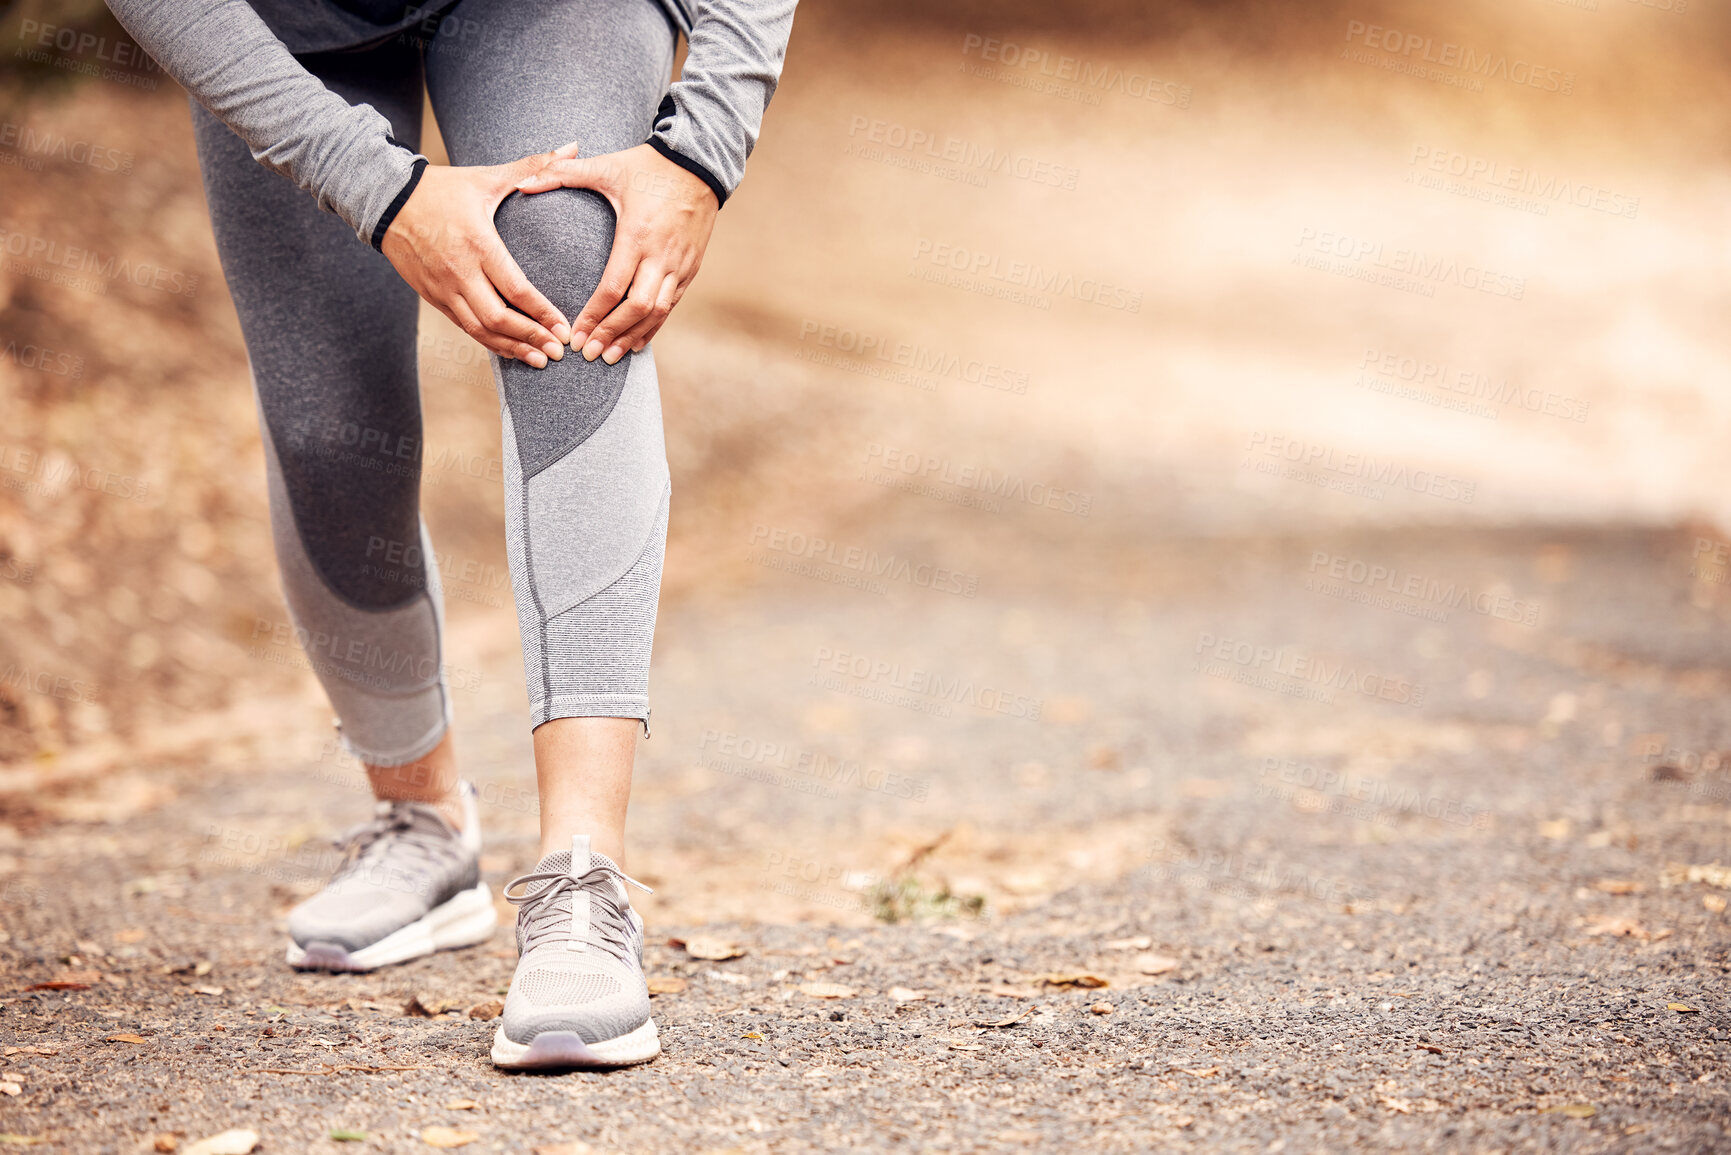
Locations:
(561, 240)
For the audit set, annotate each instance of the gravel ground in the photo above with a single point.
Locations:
(1460, 920)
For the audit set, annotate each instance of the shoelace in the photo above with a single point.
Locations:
(397, 827)
(545, 921)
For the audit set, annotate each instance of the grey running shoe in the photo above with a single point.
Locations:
(578, 998)
(408, 886)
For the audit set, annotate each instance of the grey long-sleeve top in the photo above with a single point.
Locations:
(238, 60)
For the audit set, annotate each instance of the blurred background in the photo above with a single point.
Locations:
(1114, 309)
(1289, 443)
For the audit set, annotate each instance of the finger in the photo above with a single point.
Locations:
(484, 300)
(615, 283)
(525, 167)
(461, 312)
(636, 338)
(535, 162)
(638, 304)
(504, 178)
(575, 172)
(503, 321)
(507, 277)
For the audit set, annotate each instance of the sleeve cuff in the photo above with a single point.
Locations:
(690, 166)
(396, 205)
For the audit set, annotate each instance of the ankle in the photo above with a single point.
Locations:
(451, 807)
(431, 779)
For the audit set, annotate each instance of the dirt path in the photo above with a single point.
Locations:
(1466, 923)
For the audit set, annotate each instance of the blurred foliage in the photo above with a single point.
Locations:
(906, 898)
(23, 78)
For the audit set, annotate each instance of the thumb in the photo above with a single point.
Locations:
(517, 171)
(574, 172)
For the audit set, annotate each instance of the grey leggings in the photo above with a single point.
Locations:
(330, 330)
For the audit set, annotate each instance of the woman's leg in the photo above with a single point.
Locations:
(586, 481)
(330, 333)
(586, 493)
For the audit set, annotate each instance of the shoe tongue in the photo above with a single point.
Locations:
(580, 854)
(576, 862)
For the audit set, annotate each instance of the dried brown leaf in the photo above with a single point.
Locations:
(1073, 979)
(1140, 942)
(125, 1038)
(1617, 927)
(488, 1011)
(1155, 964)
(72, 980)
(828, 990)
(713, 949)
(238, 1141)
(447, 1137)
(426, 1005)
(1009, 1022)
(462, 1105)
(667, 985)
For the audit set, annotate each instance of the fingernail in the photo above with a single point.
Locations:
(612, 355)
(538, 359)
(591, 350)
(578, 336)
(562, 333)
(554, 350)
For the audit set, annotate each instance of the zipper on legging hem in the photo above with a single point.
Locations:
(646, 714)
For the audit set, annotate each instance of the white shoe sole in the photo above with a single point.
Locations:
(566, 1050)
(464, 920)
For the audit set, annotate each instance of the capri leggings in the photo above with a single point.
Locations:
(330, 330)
